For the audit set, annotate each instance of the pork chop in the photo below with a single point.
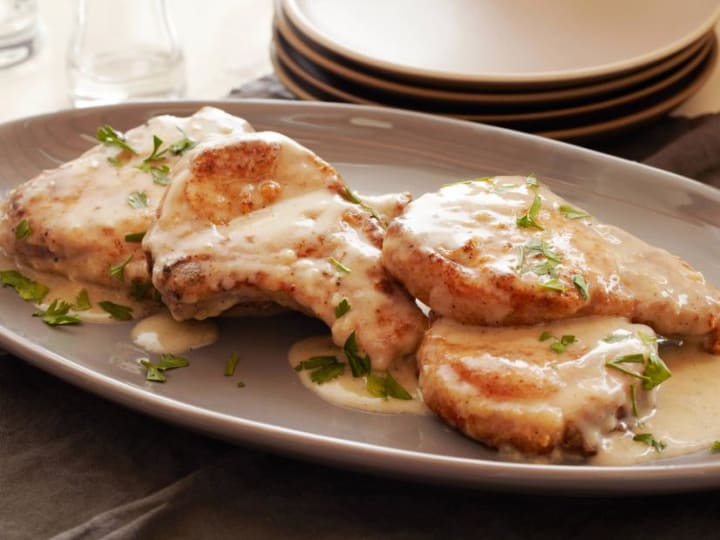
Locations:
(258, 217)
(539, 388)
(89, 214)
(506, 251)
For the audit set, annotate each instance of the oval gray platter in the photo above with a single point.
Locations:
(377, 150)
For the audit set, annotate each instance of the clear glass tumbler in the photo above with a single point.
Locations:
(18, 31)
(123, 51)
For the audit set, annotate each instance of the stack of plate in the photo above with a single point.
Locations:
(560, 68)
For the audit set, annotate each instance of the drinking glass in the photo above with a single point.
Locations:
(123, 51)
(18, 31)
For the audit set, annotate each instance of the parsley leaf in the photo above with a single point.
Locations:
(57, 314)
(350, 196)
(581, 285)
(534, 249)
(561, 345)
(118, 270)
(386, 386)
(359, 365)
(166, 362)
(170, 361)
(231, 364)
(633, 400)
(137, 199)
(572, 213)
(656, 372)
(23, 230)
(183, 145)
(545, 336)
(529, 220)
(322, 368)
(27, 288)
(650, 440)
(553, 284)
(342, 308)
(153, 373)
(135, 237)
(116, 311)
(109, 137)
(82, 301)
(339, 266)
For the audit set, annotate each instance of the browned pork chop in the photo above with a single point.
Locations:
(504, 251)
(515, 387)
(258, 217)
(79, 215)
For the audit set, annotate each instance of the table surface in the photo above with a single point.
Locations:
(226, 43)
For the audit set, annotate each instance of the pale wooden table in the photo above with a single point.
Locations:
(225, 43)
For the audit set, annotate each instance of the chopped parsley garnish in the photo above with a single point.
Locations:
(322, 368)
(553, 284)
(231, 364)
(28, 289)
(339, 266)
(137, 199)
(545, 336)
(385, 387)
(650, 440)
(23, 230)
(581, 285)
(159, 172)
(715, 446)
(342, 308)
(116, 311)
(160, 175)
(529, 220)
(109, 137)
(118, 270)
(135, 237)
(633, 400)
(82, 301)
(57, 314)
(655, 371)
(542, 252)
(359, 365)
(572, 213)
(531, 181)
(559, 345)
(156, 154)
(350, 196)
(153, 373)
(183, 145)
(166, 362)
(170, 361)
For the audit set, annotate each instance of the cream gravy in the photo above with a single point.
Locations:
(348, 391)
(160, 334)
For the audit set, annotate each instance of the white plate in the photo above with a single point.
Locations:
(376, 150)
(503, 41)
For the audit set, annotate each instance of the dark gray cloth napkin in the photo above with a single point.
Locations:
(74, 466)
